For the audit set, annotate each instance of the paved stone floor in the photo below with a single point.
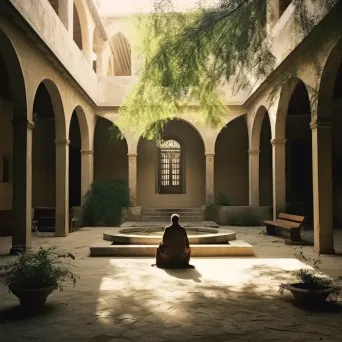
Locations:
(222, 299)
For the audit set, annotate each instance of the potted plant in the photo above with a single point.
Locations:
(35, 274)
(313, 286)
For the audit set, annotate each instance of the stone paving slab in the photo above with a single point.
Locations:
(125, 299)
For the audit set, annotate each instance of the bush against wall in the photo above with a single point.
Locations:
(104, 203)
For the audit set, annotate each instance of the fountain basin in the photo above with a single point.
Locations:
(153, 236)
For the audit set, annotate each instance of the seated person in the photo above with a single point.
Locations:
(174, 251)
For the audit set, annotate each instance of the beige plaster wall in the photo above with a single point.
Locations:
(110, 159)
(6, 149)
(231, 162)
(194, 169)
(49, 27)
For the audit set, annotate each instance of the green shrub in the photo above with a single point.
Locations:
(222, 200)
(38, 269)
(249, 219)
(104, 202)
(210, 211)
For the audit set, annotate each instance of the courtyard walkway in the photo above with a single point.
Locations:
(222, 299)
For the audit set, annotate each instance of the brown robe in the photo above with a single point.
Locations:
(175, 250)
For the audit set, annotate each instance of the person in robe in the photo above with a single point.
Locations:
(174, 251)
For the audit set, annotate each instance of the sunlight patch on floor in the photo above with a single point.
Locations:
(164, 292)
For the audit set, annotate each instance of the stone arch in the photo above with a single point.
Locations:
(110, 156)
(58, 107)
(122, 55)
(298, 167)
(97, 47)
(328, 80)
(15, 171)
(231, 162)
(283, 106)
(254, 139)
(84, 128)
(16, 80)
(78, 28)
(191, 166)
(85, 28)
(329, 110)
(76, 138)
(260, 146)
(192, 125)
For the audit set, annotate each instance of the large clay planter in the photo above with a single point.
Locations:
(33, 299)
(303, 294)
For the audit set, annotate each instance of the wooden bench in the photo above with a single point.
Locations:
(293, 223)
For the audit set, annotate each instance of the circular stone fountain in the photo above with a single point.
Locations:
(153, 236)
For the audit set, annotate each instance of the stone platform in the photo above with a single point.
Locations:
(141, 239)
(233, 248)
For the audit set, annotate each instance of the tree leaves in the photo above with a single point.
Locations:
(190, 55)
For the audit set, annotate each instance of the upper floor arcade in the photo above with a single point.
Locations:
(97, 51)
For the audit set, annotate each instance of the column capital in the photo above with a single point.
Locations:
(254, 152)
(321, 123)
(20, 121)
(62, 141)
(91, 152)
(278, 142)
(132, 154)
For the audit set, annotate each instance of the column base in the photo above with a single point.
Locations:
(325, 251)
(17, 250)
(61, 235)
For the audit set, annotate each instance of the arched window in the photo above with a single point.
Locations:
(170, 167)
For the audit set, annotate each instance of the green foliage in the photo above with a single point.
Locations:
(249, 219)
(190, 55)
(104, 202)
(222, 200)
(314, 278)
(38, 269)
(114, 134)
(210, 211)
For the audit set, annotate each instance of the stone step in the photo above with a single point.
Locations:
(171, 211)
(167, 215)
(234, 248)
(167, 218)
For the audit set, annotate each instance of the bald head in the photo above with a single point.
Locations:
(175, 218)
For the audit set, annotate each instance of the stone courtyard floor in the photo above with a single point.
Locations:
(222, 299)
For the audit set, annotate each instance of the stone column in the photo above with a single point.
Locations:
(87, 171)
(22, 183)
(279, 178)
(62, 186)
(322, 186)
(132, 177)
(66, 14)
(209, 178)
(254, 177)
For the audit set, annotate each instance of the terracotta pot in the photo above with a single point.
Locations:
(302, 293)
(32, 298)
